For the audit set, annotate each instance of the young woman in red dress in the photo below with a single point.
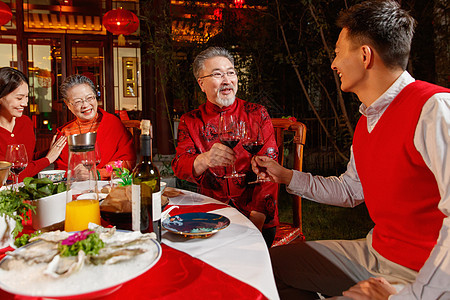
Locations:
(15, 127)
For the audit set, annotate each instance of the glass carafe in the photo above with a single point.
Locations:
(82, 205)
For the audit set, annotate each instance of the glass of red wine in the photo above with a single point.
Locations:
(253, 141)
(16, 154)
(230, 134)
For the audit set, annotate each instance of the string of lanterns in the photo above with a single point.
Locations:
(124, 22)
(119, 21)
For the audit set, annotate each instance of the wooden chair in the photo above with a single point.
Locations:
(287, 232)
(134, 127)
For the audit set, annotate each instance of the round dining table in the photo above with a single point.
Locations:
(233, 263)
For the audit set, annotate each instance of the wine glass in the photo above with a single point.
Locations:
(230, 134)
(98, 157)
(253, 141)
(16, 154)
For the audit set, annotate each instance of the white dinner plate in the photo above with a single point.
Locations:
(90, 281)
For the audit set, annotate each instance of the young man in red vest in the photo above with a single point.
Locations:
(399, 165)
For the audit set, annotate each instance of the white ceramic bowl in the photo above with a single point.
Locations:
(4, 171)
(53, 175)
(49, 210)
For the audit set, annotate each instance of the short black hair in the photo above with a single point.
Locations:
(10, 79)
(384, 25)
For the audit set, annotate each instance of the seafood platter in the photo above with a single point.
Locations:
(82, 264)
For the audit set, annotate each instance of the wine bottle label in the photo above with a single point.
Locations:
(136, 207)
(156, 206)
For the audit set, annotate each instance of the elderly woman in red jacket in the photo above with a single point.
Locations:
(114, 141)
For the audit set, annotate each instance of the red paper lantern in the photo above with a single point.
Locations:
(5, 13)
(121, 22)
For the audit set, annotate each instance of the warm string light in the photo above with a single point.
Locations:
(239, 3)
(218, 14)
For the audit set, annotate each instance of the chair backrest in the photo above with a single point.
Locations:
(280, 126)
(134, 127)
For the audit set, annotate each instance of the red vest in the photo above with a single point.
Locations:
(400, 191)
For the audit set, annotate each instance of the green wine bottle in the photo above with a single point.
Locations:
(146, 193)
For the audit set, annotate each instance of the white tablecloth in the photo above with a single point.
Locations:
(239, 250)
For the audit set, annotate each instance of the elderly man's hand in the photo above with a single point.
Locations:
(218, 156)
(81, 172)
(371, 289)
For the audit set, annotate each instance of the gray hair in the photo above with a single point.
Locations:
(199, 61)
(73, 81)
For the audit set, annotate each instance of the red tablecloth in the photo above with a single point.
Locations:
(177, 275)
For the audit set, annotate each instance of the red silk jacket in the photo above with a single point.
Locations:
(198, 131)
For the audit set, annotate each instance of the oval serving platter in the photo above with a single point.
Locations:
(86, 283)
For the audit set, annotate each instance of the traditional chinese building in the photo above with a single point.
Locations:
(51, 39)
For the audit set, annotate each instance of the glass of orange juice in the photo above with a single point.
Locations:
(80, 213)
(82, 204)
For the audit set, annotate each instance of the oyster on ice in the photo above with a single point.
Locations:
(64, 266)
(118, 246)
(35, 253)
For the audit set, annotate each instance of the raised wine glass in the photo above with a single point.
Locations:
(253, 141)
(230, 134)
(16, 154)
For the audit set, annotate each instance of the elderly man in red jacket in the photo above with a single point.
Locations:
(202, 159)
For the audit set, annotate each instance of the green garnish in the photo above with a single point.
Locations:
(25, 238)
(12, 205)
(88, 241)
(36, 188)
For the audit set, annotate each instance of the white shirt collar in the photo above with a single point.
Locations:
(376, 110)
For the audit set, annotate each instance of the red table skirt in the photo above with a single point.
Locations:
(177, 275)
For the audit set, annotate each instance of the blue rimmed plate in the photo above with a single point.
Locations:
(196, 225)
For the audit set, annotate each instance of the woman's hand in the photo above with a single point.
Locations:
(266, 167)
(371, 289)
(55, 148)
